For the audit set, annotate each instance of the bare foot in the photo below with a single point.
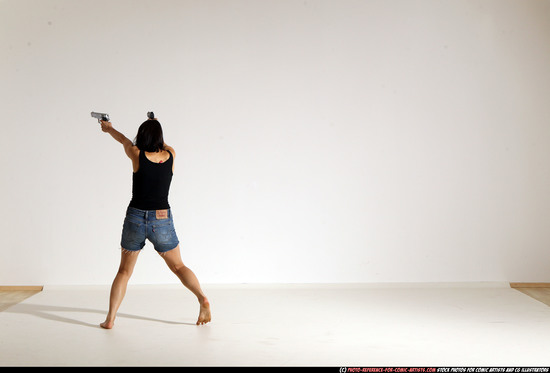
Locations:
(204, 313)
(107, 324)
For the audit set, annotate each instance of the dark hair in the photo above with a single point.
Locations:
(149, 137)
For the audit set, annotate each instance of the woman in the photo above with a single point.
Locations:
(149, 215)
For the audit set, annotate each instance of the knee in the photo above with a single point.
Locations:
(176, 267)
(126, 272)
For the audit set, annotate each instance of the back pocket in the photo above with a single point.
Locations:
(164, 233)
(132, 234)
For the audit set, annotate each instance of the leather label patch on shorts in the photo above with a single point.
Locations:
(162, 214)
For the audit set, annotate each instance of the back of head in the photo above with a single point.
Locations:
(149, 137)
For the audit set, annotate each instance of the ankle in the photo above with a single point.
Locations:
(203, 300)
(110, 318)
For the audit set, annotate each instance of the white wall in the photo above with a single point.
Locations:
(318, 141)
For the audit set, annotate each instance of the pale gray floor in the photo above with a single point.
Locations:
(280, 325)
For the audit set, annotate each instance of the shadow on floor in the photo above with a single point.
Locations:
(52, 313)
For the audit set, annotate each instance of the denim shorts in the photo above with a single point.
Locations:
(158, 228)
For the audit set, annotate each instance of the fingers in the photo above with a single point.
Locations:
(105, 125)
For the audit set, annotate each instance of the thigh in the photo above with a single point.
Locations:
(172, 257)
(128, 261)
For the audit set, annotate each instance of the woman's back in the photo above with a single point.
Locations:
(158, 157)
(151, 181)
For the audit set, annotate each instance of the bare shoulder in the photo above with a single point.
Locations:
(132, 151)
(171, 150)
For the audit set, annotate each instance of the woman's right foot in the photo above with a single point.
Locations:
(204, 313)
(107, 324)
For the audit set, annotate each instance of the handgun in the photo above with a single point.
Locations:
(100, 116)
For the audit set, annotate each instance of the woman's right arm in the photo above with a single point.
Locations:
(129, 148)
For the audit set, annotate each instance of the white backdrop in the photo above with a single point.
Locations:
(317, 140)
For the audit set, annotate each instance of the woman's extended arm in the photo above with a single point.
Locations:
(108, 127)
(129, 147)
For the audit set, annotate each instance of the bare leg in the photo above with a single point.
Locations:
(118, 289)
(190, 281)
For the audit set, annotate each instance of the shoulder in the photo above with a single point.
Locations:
(171, 150)
(132, 151)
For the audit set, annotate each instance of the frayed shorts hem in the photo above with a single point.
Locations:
(161, 252)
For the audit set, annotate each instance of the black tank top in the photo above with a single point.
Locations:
(151, 184)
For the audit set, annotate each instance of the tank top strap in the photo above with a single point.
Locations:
(142, 158)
